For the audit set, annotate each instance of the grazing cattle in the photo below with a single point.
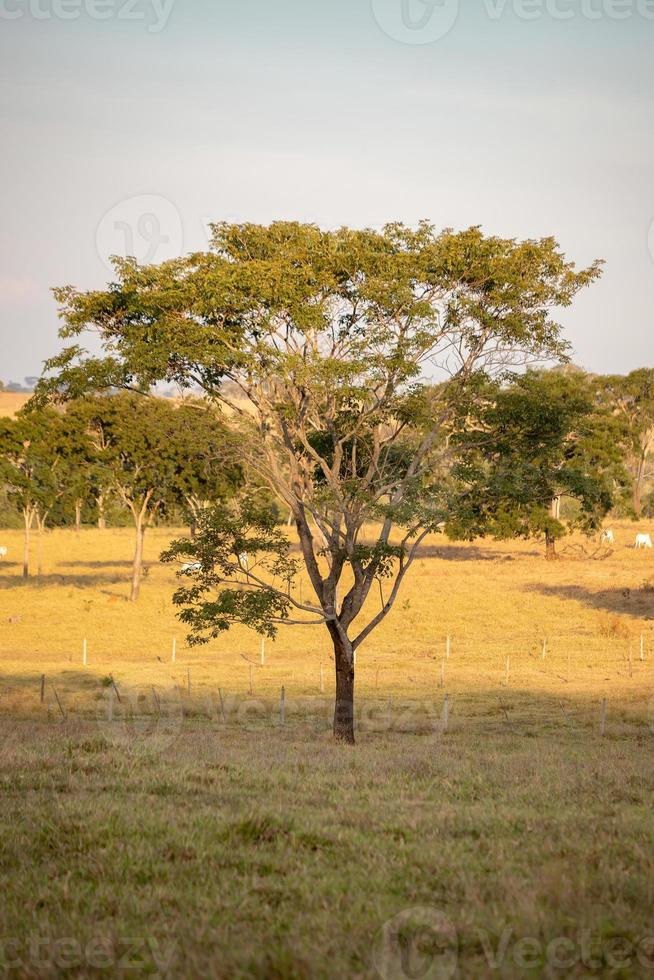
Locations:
(607, 537)
(3, 552)
(643, 541)
(190, 566)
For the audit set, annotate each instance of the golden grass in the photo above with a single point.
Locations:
(495, 600)
(11, 402)
(191, 837)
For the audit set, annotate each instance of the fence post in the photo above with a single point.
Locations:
(222, 705)
(448, 646)
(173, 657)
(63, 713)
(42, 688)
(446, 712)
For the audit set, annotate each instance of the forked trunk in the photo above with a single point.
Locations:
(138, 562)
(344, 707)
(550, 546)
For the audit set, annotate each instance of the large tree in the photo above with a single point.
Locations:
(328, 338)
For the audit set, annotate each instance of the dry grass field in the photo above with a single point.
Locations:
(151, 829)
(11, 402)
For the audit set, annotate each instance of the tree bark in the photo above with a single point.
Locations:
(40, 527)
(78, 515)
(638, 488)
(344, 706)
(138, 561)
(550, 546)
(27, 517)
(102, 523)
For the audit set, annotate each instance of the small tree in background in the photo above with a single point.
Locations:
(632, 399)
(29, 470)
(329, 338)
(207, 472)
(525, 445)
(133, 438)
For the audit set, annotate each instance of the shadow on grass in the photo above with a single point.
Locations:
(627, 602)
(79, 580)
(95, 564)
(82, 695)
(452, 552)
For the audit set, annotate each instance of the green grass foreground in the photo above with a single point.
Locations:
(277, 854)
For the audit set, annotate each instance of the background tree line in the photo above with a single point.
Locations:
(139, 460)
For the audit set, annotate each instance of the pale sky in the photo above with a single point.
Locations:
(129, 133)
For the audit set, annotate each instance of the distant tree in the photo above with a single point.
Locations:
(134, 441)
(29, 470)
(207, 467)
(328, 339)
(632, 398)
(527, 444)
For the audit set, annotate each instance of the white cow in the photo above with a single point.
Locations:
(607, 537)
(643, 541)
(3, 552)
(190, 566)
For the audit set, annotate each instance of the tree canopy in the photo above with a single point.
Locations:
(333, 341)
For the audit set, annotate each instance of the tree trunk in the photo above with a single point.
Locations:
(26, 544)
(40, 526)
(344, 707)
(78, 515)
(102, 523)
(638, 488)
(138, 561)
(550, 546)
